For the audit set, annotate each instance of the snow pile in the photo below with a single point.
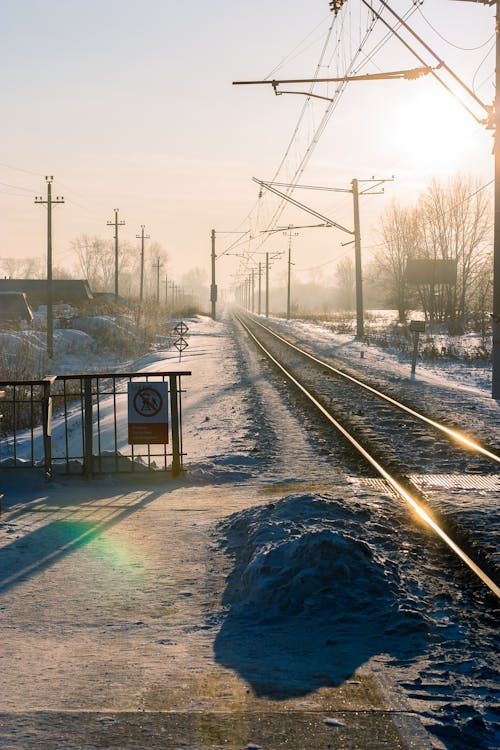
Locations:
(300, 595)
(108, 332)
(68, 341)
(302, 556)
(13, 342)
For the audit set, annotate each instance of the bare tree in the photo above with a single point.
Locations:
(23, 268)
(456, 224)
(345, 275)
(94, 257)
(400, 237)
(154, 252)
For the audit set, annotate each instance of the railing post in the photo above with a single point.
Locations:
(88, 448)
(47, 424)
(2, 394)
(174, 416)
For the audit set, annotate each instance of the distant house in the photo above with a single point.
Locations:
(14, 308)
(73, 292)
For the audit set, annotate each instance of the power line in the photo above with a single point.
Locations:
(19, 169)
(447, 41)
(296, 48)
(18, 187)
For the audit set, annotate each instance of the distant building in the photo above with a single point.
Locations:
(73, 292)
(14, 308)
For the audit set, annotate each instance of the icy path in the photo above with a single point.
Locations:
(263, 585)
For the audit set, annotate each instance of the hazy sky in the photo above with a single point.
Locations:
(129, 104)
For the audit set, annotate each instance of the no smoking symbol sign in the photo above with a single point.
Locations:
(148, 402)
(147, 413)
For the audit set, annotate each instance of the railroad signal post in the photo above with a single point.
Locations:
(180, 343)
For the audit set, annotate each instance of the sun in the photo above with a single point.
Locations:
(433, 134)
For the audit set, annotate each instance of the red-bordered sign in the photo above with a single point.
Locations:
(147, 413)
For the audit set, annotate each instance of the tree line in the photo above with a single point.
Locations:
(451, 220)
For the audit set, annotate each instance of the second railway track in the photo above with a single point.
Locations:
(403, 446)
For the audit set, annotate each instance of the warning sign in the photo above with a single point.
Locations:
(147, 413)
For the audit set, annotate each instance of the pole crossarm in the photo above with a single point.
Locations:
(328, 222)
(49, 202)
(410, 75)
(311, 187)
(292, 226)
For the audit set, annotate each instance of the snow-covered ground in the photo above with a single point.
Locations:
(330, 570)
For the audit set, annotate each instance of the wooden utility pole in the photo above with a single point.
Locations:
(158, 265)
(50, 296)
(116, 224)
(142, 237)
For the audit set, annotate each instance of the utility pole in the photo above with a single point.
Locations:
(116, 224)
(374, 183)
(157, 265)
(288, 292)
(495, 125)
(260, 288)
(166, 292)
(267, 285)
(50, 295)
(142, 237)
(495, 352)
(360, 325)
(213, 285)
(253, 289)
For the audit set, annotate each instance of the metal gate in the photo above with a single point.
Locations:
(78, 424)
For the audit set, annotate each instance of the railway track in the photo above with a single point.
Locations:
(396, 441)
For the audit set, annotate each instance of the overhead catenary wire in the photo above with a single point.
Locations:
(438, 59)
(447, 41)
(289, 56)
(386, 38)
(318, 132)
(328, 112)
(491, 49)
(326, 116)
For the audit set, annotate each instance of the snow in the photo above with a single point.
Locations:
(328, 575)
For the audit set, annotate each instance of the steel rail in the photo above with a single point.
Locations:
(400, 490)
(454, 434)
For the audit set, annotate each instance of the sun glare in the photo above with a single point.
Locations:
(434, 134)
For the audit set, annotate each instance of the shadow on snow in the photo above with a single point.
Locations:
(308, 602)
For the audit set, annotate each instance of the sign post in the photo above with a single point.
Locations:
(417, 327)
(147, 413)
(180, 343)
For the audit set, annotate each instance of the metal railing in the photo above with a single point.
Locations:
(79, 423)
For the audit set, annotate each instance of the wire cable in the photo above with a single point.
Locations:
(447, 41)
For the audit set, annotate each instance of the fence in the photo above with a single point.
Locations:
(79, 423)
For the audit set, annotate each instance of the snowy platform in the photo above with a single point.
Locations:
(115, 632)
